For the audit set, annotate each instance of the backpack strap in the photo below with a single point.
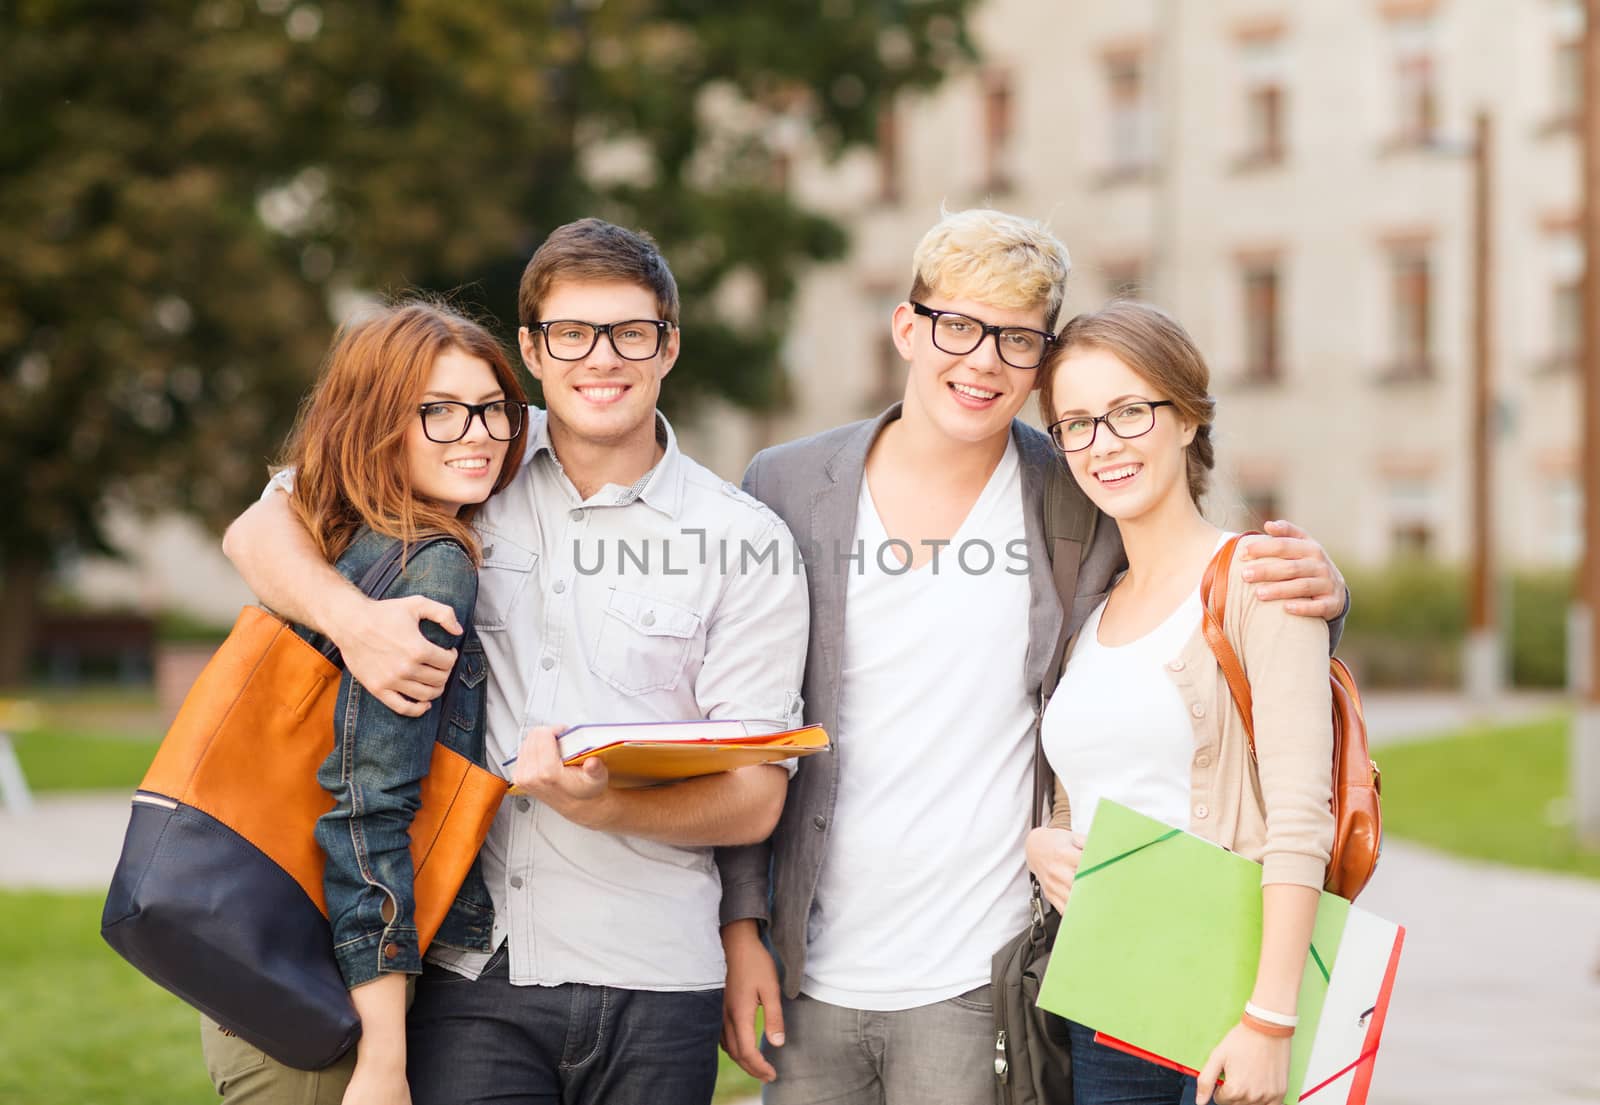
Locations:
(1069, 523)
(1214, 596)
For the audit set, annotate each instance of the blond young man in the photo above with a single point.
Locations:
(897, 868)
(606, 982)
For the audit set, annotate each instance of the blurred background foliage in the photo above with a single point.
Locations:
(190, 191)
(1407, 621)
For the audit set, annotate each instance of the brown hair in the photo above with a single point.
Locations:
(1149, 341)
(593, 249)
(348, 443)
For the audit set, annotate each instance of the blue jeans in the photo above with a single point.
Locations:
(1105, 1076)
(489, 1041)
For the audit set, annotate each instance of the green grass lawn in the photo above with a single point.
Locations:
(78, 1026)
(53, 759)
(1490, 793)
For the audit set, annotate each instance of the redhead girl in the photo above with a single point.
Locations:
(1142, 714)
(415, 421)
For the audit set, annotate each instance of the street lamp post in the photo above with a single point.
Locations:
(1483, 664)
(1586, 716)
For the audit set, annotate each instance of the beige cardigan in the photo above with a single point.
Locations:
(1276, 813)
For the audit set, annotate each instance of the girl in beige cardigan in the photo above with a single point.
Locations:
(1146, 719)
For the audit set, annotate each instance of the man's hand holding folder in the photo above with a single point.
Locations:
(580, 792)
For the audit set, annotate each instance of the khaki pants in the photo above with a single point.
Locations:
(245, 1075)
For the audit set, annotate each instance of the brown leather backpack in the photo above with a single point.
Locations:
(1357, 816)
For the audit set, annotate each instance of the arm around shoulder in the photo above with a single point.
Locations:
(270, 548)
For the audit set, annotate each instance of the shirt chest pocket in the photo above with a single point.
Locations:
(644, 643)
(502, 578)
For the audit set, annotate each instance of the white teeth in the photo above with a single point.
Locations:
(601, 393)
(1110, 474)
(975, 393)
(470, 463)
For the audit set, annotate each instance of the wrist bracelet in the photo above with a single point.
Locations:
(1256, 1024)
(1285, 1020)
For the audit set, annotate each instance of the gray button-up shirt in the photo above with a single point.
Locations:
(679, 597)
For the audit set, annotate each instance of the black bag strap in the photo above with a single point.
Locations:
(376, 580)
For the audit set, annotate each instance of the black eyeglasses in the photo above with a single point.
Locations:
(1076, 433)
(958, 335)
(635, 340)
(445, 420)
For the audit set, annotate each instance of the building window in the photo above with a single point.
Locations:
(1261, 505)
(888, 153)
(1124, 279)
(1129, 114)
(890, 383)
(1412, 518)
(1263, 362)
(1565, 541)
(1261, 62)
(1564, 250)
(1411, 540)
(998, 105)
(1566, 70)
(1416, 98)
(1411, 310)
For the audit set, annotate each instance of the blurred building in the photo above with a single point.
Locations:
(1293, 178)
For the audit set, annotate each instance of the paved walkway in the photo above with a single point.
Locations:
(1497, 1001)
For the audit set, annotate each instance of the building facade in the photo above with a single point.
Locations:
(1294, 180)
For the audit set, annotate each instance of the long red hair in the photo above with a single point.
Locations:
(348, 443)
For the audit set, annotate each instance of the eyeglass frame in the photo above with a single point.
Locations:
(1097, 420)
(986, 330)
(663, 327)
(474, 410)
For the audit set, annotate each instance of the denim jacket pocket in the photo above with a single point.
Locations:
(644, 642)
(466, 696)
(502, 577)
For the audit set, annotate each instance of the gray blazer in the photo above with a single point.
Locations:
(815, 484)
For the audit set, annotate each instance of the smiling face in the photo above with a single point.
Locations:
(463, 471)
(967, 398)
(1125, 477)
(604, 398)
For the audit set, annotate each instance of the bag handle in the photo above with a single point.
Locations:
(1214, 596)
(375, 581)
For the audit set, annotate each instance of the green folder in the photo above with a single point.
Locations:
(1160, 939)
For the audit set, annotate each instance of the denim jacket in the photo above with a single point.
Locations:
(375, 773)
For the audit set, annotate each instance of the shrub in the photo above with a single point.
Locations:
(1408, 621)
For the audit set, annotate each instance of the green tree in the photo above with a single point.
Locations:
(185, 188)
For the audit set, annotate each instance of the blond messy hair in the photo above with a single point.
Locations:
(1004, 260)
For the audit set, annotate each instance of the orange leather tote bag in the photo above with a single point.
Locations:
(218, 893)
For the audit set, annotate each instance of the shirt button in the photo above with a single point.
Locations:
(561, 585)
(649, 618)
(1176, 665)
(488, 551)
(516, 882)
(1197, 710)
(1202, 812)
(523, 805)
(819, 822)
(547, 663)
(1202, 760)
(391, 951)
(576, 515)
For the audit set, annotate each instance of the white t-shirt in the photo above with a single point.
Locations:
(925, 875)
(1116, 726)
